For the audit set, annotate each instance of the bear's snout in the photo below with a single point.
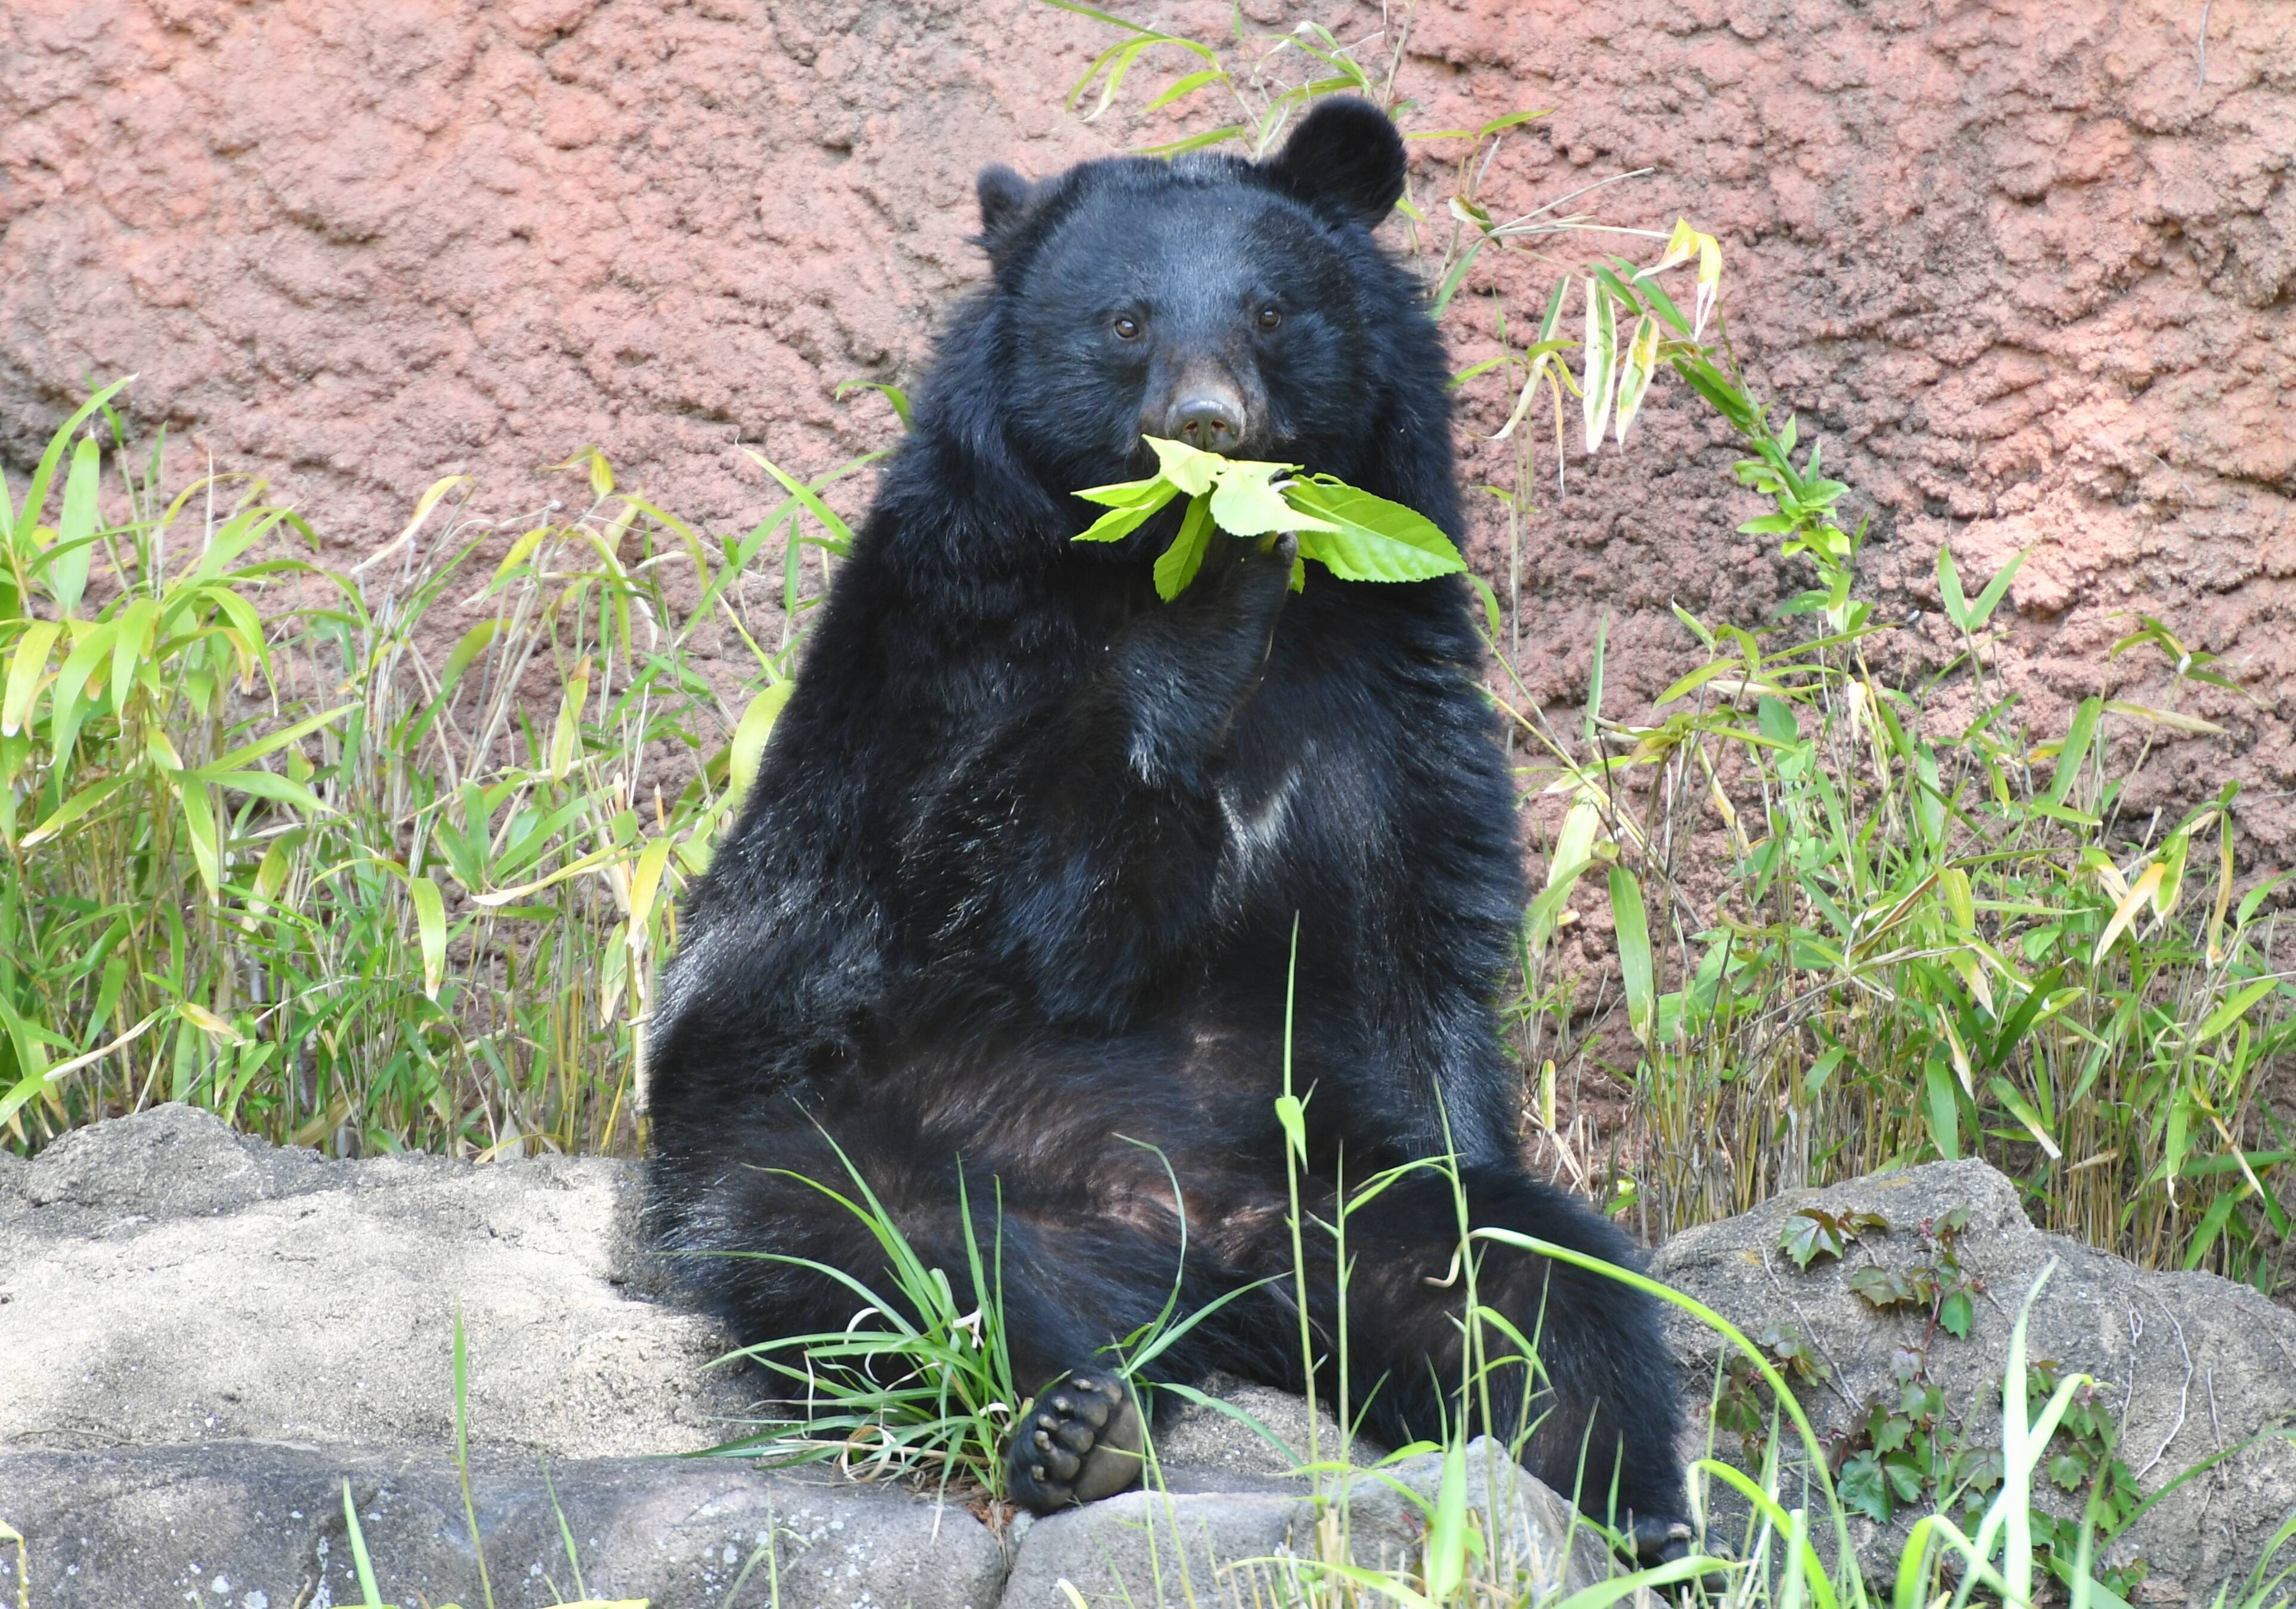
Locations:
(1209, 417)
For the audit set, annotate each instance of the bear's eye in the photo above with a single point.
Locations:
(1128, 328)
(1269, 318)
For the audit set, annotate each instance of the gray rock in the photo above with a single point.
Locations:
(260, 1526)
(2191, 1364)
(1176, 1548)
(163, 1280)
(171, 1161)
(1151, 1549)
(1197, 1443)
(1532, 1534)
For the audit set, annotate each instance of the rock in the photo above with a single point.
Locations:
(164, 1280)
(1533, 1538)
(2190, 1364)
(1176, 1547)
(1196, 1442)
(171, 1161)
(202, 1337)
(259, 1526)
(1148, 1549)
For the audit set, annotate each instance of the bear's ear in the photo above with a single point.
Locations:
(1345, 157)
(1006, 198)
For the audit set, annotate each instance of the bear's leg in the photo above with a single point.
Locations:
(1072, 1276)
(1602, 1408)
(1598, 1414)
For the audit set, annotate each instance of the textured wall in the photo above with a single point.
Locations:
(2026, 272)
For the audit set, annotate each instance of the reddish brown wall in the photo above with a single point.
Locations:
(2027, 273)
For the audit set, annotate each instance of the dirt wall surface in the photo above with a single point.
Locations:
(2026, 265)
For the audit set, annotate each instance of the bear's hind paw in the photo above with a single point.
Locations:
(1080, 1440)
(1667, 1541)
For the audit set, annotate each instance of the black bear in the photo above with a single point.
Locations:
(1018, 879)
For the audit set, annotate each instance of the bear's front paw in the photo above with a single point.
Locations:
(1260, 571)
(1233, 606)
(1080, 1441)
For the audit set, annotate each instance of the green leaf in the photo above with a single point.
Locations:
(1122, 521)
(370, 1595)
(1370, 538)
(24, 671)
(1126, 494)
(1633, 924)
(200, 823)
(893, 394)
(36, 494)
(2233, 1010)
(1491, 617)
(1882, 1288)
(75, 528)
(1661, 303)
(1995, 590)
(1291, 1113)
(1178, 564)
(1445, 1551)
(1450, 285)
(430, 930)
(2075, 747)
(1195, 141)
(1639, 362)
(79, 805)
(2211, 1226)
(130, 647)
(1190, 469)
(1944, 1116)
(1180, 89)
(1768, 525)
(2022, 1111)
(2068, 1471)
(1243, 504)
(1955, 1313)
(840, 534)
(1601, 368)
(1627, 299)
(242, 756)
(1711, 383)
(263, 784)
(1956, 607)
(749, 745)
(467, 651)
(1864, 1489)
(1810, 1234)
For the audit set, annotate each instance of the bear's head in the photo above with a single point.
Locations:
(1238, 305)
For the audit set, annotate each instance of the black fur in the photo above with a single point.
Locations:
(1018, 878)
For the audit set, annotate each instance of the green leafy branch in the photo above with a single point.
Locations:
(1355, 535)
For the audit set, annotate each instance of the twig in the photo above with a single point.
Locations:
(2184, 1392)
(2204, 46)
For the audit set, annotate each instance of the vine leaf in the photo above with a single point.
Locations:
(1813, 1232)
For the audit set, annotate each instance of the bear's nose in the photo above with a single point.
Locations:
(1212, 421)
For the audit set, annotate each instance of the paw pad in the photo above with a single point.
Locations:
(1079, 1444)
